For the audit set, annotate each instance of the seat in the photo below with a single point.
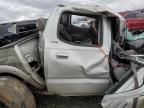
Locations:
(63, 28)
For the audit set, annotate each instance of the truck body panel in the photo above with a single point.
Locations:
(67, 60)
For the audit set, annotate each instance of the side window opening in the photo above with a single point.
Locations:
(81, 30)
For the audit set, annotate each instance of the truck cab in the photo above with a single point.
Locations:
(72, 55)
(60, 58)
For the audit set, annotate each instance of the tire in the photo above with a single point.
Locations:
(14, 94)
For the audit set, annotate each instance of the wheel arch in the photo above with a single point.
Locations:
(6, 70)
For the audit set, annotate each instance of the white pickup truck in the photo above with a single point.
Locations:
(59, 58)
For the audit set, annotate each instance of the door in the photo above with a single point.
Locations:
(76, 58)
(124, 94)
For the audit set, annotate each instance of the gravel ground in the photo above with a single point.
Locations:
(68, 102)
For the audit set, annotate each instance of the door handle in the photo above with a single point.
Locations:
(62, 55)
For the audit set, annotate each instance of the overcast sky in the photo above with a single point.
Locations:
(17, 10)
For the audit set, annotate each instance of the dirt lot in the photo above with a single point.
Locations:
(68, 102)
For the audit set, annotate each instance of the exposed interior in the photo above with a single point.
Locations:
(86, 34)
(24, 35)
(19, 48)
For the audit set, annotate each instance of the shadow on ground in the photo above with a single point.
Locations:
(68, 102)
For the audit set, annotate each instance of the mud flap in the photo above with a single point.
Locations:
(124, 95)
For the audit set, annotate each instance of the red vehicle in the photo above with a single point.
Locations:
(134, 19)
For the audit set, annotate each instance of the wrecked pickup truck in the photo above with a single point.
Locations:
(56, 57)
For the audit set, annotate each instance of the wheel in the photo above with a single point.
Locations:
(14, 94)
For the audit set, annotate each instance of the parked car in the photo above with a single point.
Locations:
(134, 19)
(58, 58)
